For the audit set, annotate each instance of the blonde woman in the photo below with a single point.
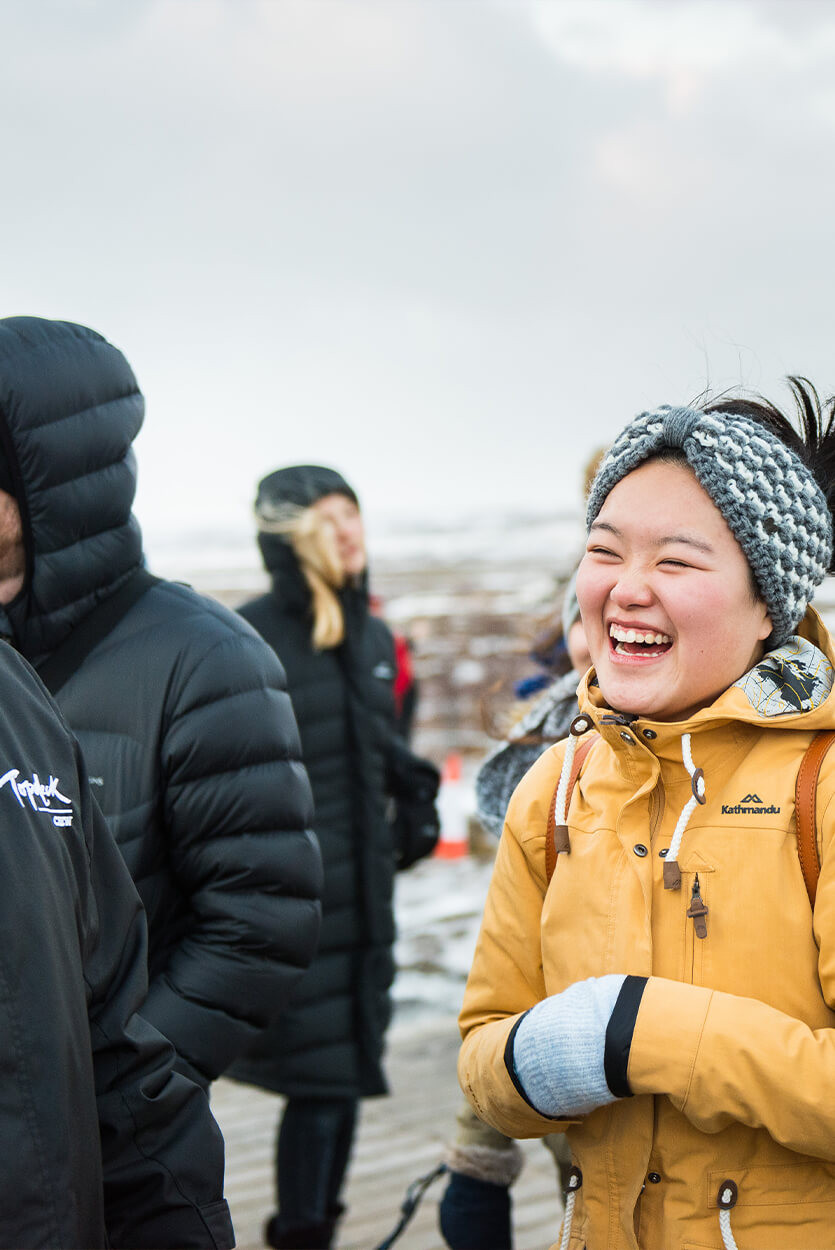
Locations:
(325, 1051)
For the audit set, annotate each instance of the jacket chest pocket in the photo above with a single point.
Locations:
(696, 918)
(771, 953)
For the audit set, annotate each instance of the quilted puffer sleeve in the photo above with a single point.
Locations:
(162, 1152)
(237, 811)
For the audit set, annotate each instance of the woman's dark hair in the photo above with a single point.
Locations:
(811, 435)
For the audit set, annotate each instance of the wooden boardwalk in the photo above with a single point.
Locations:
(399, 1139)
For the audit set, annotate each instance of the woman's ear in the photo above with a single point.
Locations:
(766, 627)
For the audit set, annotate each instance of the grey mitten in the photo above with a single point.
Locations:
(558, 1048)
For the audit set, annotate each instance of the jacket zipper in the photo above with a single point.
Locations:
(698, 910)
(656, 809)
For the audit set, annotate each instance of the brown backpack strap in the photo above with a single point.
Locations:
(556, 840)
(805, 803)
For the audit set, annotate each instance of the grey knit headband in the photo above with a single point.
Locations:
(769, 498)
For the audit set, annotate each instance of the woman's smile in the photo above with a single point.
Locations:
(635, 641)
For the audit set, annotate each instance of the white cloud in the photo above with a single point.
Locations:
(684, 45)
(441, 243)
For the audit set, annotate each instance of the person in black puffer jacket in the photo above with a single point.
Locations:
(326, 1052)
(103, 1143)
(181, 710)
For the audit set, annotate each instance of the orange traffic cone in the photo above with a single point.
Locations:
(453, 842)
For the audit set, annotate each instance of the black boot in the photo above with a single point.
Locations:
(283, 1236)
(475, 1214)
(303, 1236)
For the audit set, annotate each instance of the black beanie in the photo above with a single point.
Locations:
(301, 484)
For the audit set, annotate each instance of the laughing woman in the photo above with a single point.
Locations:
(667, 999)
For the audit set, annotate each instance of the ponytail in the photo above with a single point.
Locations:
(315, 549)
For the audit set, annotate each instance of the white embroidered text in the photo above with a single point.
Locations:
(39, 795)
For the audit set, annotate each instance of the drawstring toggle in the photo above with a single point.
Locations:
(726, 1201)
(575, 1181)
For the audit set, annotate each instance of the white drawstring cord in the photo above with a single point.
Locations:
(562, 789)
(726, 1200)
(567, 1220)
(727, 1236)
(575, 1180)
(672, 876)
(691, 804)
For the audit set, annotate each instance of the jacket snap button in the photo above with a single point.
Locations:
(653, 1178)
(664, 852)
(649, 733)
(639, 849)
(626, 737)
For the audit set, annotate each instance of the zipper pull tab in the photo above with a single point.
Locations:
(698, 910)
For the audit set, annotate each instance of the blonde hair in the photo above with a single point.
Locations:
(313, 543)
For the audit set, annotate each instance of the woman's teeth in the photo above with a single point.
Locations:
(624, 638)
(636, 635)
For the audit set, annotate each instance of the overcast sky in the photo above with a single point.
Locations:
(443, 245)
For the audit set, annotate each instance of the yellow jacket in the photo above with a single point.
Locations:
(732, 1060)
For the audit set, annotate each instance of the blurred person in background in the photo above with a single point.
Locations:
(326, 1051)
(180, 708)
(475, 1210)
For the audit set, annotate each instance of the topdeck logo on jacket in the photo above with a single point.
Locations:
(39, 795)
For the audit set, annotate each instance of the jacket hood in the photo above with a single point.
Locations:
(288, 582)
(302, 485)
(70, 408)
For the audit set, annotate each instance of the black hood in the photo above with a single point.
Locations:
(288, 581)
(70, 409)
(302, 485)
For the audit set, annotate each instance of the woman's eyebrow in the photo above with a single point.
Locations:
(689, 540)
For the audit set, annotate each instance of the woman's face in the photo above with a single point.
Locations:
(343, 517)
(666, 598)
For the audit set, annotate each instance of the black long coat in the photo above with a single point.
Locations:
(329, 1040)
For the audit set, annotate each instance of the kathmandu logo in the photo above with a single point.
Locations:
(751, 805)
(39, 796)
